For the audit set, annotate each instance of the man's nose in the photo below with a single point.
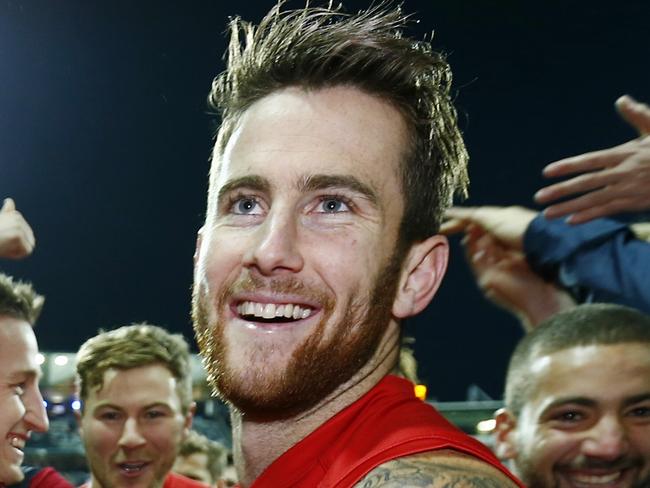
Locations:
(275, 249)
(131, 436)
(607, 440)
(35, 413)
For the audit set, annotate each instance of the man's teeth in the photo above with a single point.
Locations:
(130, 467)
(596, 479)
(271, 310)
(18, 443)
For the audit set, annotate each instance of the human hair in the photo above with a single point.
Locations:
(314, 48)
(133, 346)
(584, 325)
(18, 300)
(216, 452)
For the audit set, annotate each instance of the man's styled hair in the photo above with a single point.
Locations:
(584, 325)
(130, 347)
(216, 453)
(315, 48)
(18, 300)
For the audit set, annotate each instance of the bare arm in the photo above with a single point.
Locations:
(438, 469)
(607, 182)
(505, 278)
(494, 250)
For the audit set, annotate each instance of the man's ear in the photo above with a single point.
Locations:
(197, 249)
(77, 417)
(422, 271)
(504, 434)
(189, 417)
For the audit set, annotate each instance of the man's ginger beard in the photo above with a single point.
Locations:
(317, 366)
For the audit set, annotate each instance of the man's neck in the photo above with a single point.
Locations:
(256, 444)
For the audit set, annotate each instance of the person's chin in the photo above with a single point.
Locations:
(11, 472)
(14, 475)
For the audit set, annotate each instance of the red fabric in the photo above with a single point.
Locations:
(172, 480)
(49, 478)
(388, 422)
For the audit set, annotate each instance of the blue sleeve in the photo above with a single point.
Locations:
(599, 261)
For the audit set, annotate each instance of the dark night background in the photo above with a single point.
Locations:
(104, 143)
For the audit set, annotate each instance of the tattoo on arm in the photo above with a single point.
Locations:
(415, 473)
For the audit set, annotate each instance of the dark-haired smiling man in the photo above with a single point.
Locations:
(336, 158)
(577, 401)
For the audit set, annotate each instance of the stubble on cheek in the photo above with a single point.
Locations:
(327, 358)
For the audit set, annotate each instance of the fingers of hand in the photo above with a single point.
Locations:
(635, 113)
(16, 237)
(453, 226)
(457, 220)
(578, 184)
(625, 184)
(8, 205)
(590, 161)
(482, 251)
(612, 207)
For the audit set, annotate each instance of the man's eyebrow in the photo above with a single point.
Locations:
(636, 399)
(252, 182)
(148, 406)
(583, 401)
(321, 182)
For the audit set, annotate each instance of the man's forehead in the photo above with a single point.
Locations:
(574, 369)
(18, 345)
(139, 385)
(349, 122)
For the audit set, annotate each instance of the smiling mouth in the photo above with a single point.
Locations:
(17, 443)
(272, 313)
(588, 480)
(132, 469)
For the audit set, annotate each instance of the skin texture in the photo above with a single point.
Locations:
(588, 414)
(136, 418)
(21, 403)
(307, 211)
(16, 236)
(606, 182)
(443, 469)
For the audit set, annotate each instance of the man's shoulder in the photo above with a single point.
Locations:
(436, 469)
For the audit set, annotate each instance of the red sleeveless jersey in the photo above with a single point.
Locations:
(386, 423)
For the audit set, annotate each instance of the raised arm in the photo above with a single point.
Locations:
(493, 251)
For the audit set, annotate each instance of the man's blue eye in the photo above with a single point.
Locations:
(333, 205)
(245, 205)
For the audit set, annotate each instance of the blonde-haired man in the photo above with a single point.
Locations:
(135, 386)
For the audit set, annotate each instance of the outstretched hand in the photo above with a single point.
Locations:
(610, 181)
(16, 236)
(506, 224)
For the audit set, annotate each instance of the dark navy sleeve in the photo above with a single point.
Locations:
(598, 261)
